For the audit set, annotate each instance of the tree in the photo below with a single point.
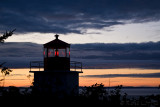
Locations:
(3, 37)
(96, 91)
(5, 71)
(6, 35)
(115, 95)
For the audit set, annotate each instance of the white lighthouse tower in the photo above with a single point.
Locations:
(60, 76)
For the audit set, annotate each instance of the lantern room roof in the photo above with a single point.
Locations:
(56, 43)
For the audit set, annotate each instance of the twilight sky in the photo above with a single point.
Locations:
(81, 21)
(100, 31)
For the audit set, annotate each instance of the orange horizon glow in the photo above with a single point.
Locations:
(125, 81)
(19, 78)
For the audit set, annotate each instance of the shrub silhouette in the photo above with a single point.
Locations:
(94, 95)
(95, 91)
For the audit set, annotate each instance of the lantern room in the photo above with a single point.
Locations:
(56, 55)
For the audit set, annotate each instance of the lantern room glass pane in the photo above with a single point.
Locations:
(68, 52)
(51, 52)
(45, 52)
(62, 52)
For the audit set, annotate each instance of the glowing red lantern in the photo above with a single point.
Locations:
(56, 53)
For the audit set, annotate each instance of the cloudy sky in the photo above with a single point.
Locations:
(101, 30)
(93, 55)
(81, 21)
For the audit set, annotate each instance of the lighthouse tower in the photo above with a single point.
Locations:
(59, 76)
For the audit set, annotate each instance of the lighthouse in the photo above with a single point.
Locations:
(59, 76)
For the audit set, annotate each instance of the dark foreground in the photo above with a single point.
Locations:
(95, 95)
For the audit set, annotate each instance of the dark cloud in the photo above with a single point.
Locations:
(145, 75)
(111, 55)
(61, 16)
(117, 51)
(19, 49)
(19, 62)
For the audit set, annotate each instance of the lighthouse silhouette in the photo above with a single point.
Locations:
(60, 76)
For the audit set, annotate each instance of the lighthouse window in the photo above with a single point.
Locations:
(62, 53)
(51, 52)
(68, 52)
(56, 53)
(45, 52)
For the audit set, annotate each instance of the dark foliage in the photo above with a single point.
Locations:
(95, 95)
(5, 70)
(6, 35)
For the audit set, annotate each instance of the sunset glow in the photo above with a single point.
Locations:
(19, 78)
(114, 81)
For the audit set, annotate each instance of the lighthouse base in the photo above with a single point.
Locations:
(58, 84)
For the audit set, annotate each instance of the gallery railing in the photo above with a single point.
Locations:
(36, 64)
(74, 66)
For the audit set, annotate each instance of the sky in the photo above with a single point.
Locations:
(104, 34)
(99, 30)
(81, 21)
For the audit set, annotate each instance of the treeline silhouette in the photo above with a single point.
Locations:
(95, 95)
